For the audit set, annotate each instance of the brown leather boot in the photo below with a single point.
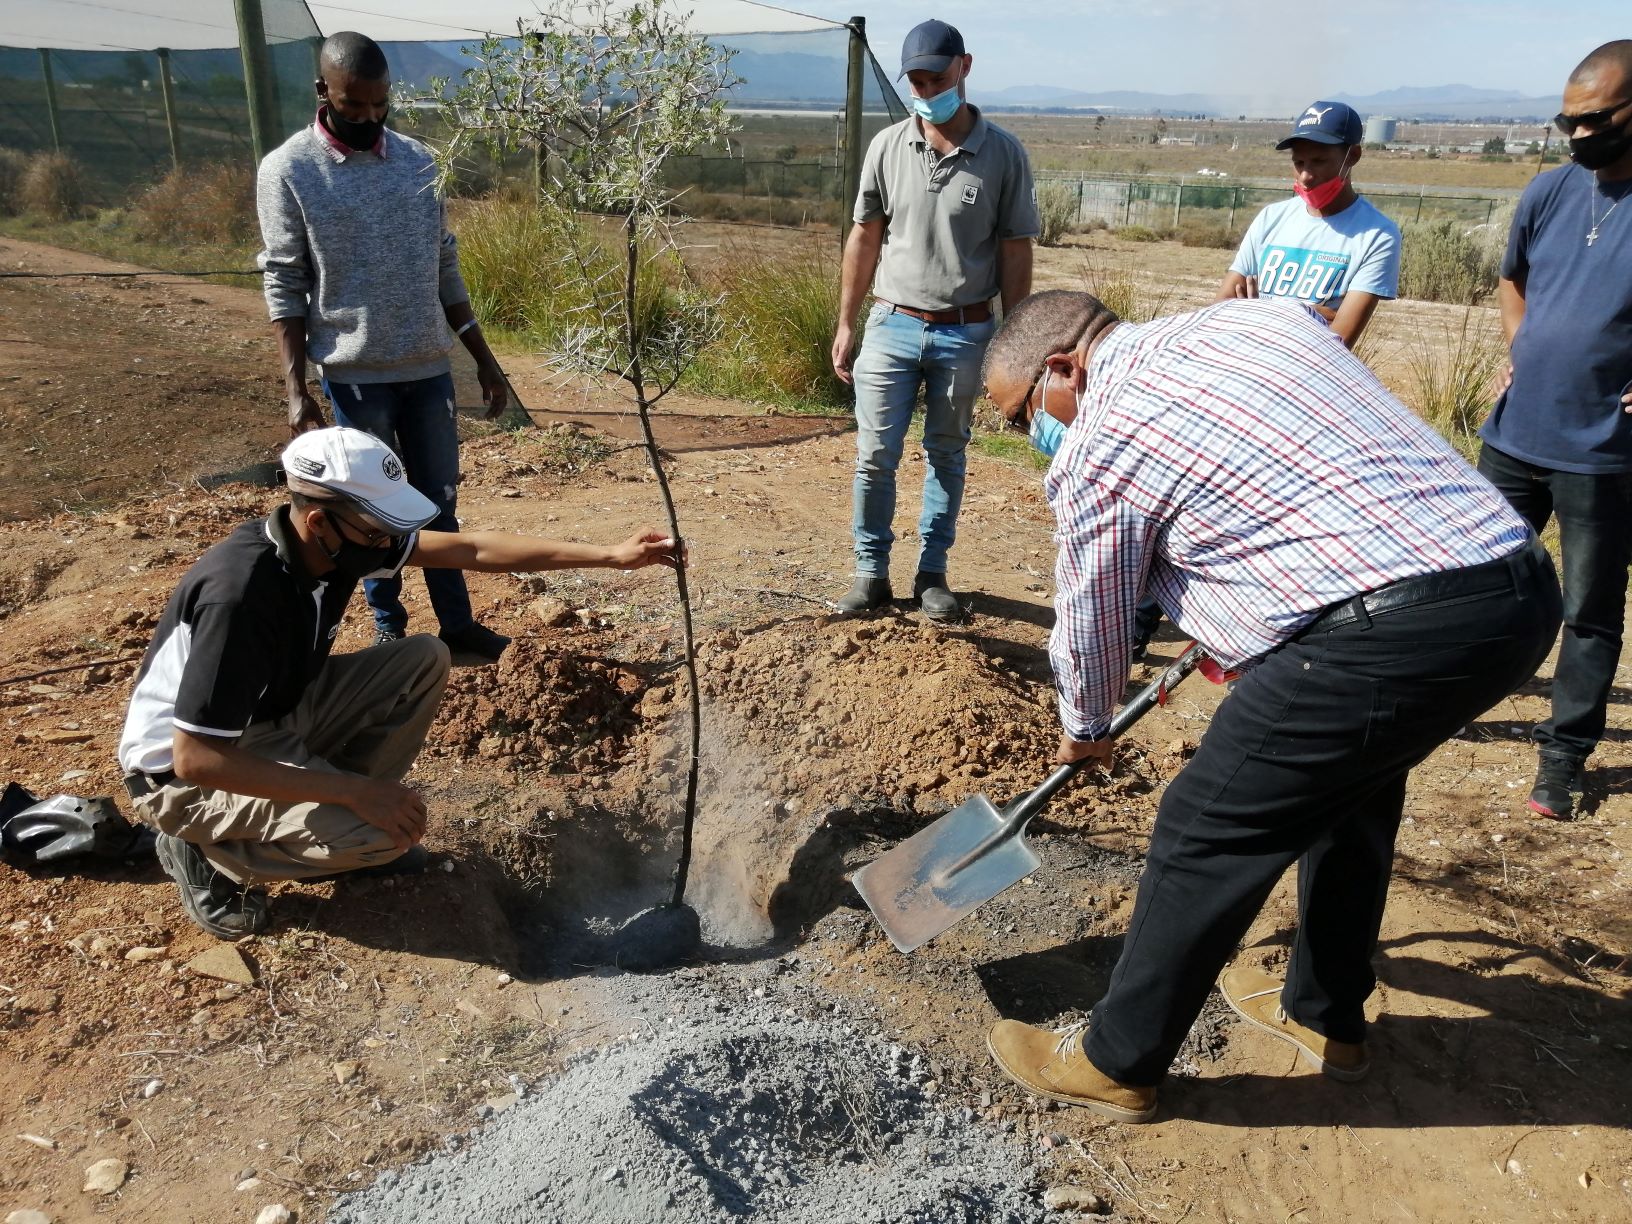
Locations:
(1053, 1065)
(1256, 998)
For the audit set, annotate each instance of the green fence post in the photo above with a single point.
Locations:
(168, 89)
(51, 98)
(852, 120)
(257, 76)
(1178, 202)
(1235, 199)
(1420, 190)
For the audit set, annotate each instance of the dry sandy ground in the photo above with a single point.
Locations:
(380, 1014)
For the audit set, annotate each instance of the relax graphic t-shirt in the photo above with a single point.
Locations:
(1320, 259)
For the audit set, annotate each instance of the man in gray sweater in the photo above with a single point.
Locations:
(362, 276)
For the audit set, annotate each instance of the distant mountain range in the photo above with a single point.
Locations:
(1430, 102)
(809, 71)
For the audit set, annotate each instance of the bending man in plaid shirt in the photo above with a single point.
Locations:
(1242, 467)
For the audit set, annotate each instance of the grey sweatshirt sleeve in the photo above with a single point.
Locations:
(285, 262)
(450, 286)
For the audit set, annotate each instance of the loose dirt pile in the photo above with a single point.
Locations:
(761, 1118)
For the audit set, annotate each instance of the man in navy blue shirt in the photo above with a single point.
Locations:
(1559, 441)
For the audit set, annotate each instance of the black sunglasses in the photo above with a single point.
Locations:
(1589, 119)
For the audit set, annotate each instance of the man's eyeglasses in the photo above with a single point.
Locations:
(370, 538)
(1588, 119)
(1025, 410)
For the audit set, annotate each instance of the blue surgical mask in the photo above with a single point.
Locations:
(1046, 431)
(938, 109)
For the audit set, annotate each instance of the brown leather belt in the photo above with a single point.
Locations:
(980, 312)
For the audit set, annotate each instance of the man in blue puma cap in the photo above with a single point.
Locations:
(944, 222)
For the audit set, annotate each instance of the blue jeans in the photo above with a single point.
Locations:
(898, 355)
(415, 419)
(1595, 540)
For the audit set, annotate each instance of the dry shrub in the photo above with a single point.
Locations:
(1205, 234)
(13, 166)
(1136, 233)
(211, 205)
(1056, 212)
(53, 187)
(1447, 261)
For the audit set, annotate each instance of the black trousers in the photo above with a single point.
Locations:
(1306, 762)
(1595, 539)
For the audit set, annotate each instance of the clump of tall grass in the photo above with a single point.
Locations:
(52, 187)
(1119, 290)
(211, 205)
(555, 280)
(1446, 261)
(13, 166)
(1056, 212)
(1450, 376)
(509, 249)
(777, 337)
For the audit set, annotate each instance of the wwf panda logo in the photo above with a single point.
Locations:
(391, 467)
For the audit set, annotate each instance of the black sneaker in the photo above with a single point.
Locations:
(865, 594)
(384, 636)
(935, 597)
(224, 909)
(1558, 783)
(475, 639)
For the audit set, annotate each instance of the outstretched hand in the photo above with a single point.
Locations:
(648, 547)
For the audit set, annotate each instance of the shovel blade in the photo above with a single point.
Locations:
(929, 881)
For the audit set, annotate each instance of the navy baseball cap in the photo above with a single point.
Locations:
(1326, 123)
(930, 46)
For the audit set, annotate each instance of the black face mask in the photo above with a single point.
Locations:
(357, 561)
(354, 133)
(1602, 148)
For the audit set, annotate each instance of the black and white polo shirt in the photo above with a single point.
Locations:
(242, 636)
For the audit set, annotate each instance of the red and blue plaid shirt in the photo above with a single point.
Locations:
(1245, 469)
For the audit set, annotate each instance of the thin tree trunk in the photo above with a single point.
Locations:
(631, 328)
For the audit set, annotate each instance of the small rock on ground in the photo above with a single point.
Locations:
(1075, 1198)
(225, 963)
(105, 1176)
(28, 1216)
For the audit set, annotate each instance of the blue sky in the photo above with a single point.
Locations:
(1270, 49)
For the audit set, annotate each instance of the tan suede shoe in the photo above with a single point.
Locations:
(1053, 1065)
(1256, 998)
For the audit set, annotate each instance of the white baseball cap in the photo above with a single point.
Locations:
(348, 463)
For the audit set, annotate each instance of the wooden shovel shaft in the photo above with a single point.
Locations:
(1018, 814)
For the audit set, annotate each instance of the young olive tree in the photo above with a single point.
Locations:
(604, 94)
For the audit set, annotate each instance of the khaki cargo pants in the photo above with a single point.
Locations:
(366, 713)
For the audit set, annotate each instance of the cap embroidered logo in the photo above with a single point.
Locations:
(1313, 115)
(307, 467)
(391, 468)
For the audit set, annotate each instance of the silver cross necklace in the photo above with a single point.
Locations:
(1592, 203)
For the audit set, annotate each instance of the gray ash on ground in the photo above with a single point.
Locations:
(757, 1117)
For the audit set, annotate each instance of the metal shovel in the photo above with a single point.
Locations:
(974, 852)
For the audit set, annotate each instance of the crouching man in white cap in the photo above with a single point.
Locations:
(259, 756)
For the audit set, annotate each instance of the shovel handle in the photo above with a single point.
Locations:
(1155, 693)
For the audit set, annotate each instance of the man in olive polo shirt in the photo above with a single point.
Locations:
(944, 222)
